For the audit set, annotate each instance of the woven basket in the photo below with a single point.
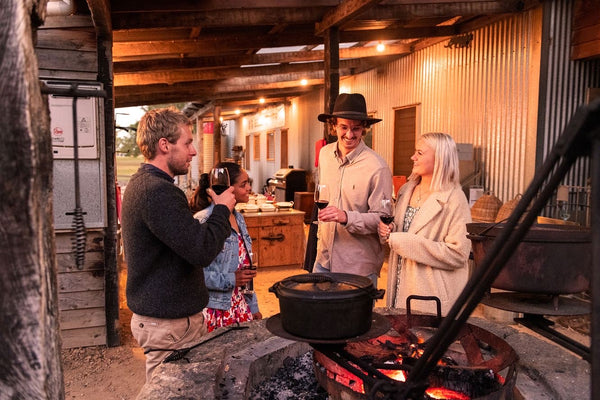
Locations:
(486, 208)
(507, 209)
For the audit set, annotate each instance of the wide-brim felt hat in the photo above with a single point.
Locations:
(350, 106)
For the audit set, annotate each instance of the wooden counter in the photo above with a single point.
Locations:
(277, 237)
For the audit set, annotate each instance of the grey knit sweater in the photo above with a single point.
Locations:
(166, 247)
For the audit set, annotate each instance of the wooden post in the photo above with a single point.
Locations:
(217, 135)
(332, 74)
(111, 274)
(29, 336)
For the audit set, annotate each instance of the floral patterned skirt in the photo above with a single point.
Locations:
(239, 312)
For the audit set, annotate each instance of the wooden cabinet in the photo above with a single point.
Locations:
(277, 237)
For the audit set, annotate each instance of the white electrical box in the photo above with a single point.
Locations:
(61, 123)
(91, 162)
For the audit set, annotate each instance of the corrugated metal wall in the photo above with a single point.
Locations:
(479, 95)
(564, 84)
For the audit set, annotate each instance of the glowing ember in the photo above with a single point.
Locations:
(445, 394)
(469, 369)
(397, 375)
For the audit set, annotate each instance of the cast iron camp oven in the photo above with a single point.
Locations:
(326, 306)
(551, 259)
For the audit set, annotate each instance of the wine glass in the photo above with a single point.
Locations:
(321, 197)
(248, 289)
(387, 211)
(219, 180)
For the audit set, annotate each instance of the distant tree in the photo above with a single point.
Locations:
(126, 144)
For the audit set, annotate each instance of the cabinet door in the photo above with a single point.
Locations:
(281, 245)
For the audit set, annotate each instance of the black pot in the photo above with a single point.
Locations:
(551, 259)
(326, 306)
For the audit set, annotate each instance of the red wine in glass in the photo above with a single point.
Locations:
(322, 204)
(219, 188)
(387, 214)
(321, 198)
(219, 180)
(386, 218)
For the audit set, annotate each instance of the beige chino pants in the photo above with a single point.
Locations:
(160, 333)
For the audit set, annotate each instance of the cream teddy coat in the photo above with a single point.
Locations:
(431, 259)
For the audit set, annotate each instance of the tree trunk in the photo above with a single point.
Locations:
(29, 337)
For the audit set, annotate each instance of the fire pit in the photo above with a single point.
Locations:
(479, 365)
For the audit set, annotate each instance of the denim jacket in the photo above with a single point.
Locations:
(219, 276)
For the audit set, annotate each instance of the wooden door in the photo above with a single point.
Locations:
(405, 131)
(284, 149)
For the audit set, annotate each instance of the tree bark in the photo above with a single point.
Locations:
(30, 365)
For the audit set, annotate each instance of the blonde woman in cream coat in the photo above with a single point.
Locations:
(429, 248)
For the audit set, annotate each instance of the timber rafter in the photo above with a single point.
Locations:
(214, 51)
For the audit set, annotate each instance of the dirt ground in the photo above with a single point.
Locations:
(118, 373)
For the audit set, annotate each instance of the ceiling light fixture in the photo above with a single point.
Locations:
(261, 100)
(380, 47)
(304, 82)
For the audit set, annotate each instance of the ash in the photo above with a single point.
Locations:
(295, 380)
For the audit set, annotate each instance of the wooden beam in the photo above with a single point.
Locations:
(410, 10)
(346, 11)
(100, 10)
(192, 92)
(213, 45)
(269, 58)
(218, 18)
(199, 74)
(207, 5)
(331, 73)
(232, 42)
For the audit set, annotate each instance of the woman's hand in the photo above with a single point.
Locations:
(244, 276)
(384, 230)
(257, 315)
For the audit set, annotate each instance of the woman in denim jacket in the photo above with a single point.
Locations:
(228, 275)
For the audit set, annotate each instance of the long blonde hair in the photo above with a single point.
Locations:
(445, 168)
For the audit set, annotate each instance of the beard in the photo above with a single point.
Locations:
(178, 167)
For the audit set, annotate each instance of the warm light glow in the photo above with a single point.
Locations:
(380, 47)
(221, 119)
(397, 375)
(344, 89)
(304, 82)
(445, 394)
(261, 100)
(237, 112)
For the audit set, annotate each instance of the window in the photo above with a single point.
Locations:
(270, 146)
(256, 147)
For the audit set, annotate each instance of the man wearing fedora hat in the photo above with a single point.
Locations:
(358, 179)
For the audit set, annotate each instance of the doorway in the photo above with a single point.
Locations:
(405, 132)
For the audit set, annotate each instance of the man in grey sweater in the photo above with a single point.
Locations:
(165, 246)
